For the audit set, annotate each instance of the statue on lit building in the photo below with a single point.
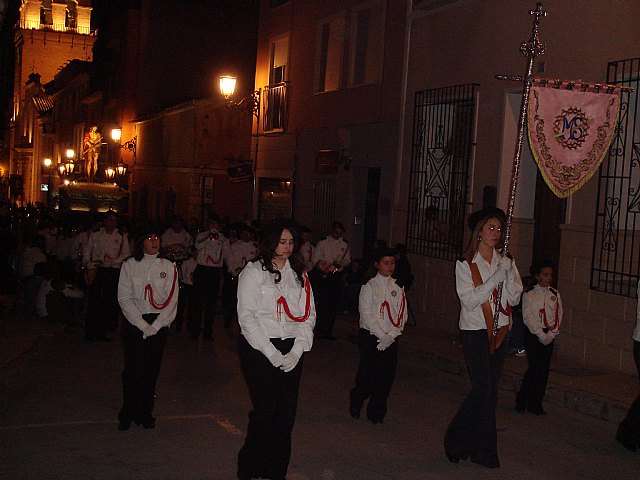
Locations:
(91, 151)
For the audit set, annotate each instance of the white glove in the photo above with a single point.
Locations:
(498, 276)
(385, 342)
(290, 361)
(276, 359)
(545, 338)
(505, 263)
(148, 331)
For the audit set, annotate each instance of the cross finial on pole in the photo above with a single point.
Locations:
(534, 47)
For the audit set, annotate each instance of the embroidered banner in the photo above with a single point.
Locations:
(570, 132)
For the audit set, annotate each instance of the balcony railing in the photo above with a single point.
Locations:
(56, 27)
(276, 107)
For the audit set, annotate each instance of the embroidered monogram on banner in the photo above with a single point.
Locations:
(570, 132)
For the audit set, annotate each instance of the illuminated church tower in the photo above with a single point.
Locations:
(48, 36)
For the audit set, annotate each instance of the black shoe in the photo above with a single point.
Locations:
(537, 411)
(354, 412)
(148, 423)
(489, 461)
(124, 425)
(626, 440)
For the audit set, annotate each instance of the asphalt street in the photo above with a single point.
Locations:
(59, 403)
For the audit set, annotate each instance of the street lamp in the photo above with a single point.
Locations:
(68, 164)
(249, 104)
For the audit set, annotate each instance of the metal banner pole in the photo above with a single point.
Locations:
(531, 50)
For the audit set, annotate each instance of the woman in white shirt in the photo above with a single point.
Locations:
(383, 314)
(542, 314)
(276, 313)
(472, 432)
(148, 296)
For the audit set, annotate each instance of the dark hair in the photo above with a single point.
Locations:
(138, 245)
(377, 254)
(269, 242)
(538, 266)
(476, 223)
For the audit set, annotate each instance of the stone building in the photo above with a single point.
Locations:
(404, 94)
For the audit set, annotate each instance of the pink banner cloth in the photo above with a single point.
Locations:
(569, 133)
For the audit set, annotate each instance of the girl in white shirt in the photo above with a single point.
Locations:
(542, 314)
(148, 296)
(383, 314)
(276, 313)
(472, 432)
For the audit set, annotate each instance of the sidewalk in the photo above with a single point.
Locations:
(605, 395)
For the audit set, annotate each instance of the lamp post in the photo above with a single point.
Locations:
(120, 169)
(47, 163)
(249, 104)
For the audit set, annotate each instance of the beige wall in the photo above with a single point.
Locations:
(470, 43)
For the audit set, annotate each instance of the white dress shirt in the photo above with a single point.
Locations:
(134, 297)
(259, 316)
(306, 250)
(333, 251)
(374, 315)
(211, 253)
(538, 299)
(110, 249)
(472, 298)
(171, 237)
(186, 270)
(240, 253)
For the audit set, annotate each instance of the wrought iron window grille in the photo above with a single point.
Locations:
(443, 145)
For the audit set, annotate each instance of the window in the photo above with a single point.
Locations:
(329, 52)
(615, 265)
(443, 142)
(367, 43)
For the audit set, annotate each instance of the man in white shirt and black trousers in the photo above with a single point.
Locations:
(212, 252)
(330, 257)
(105, 250)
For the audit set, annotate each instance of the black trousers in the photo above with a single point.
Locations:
(274, 397)
(206, 283)
(103, 310)
(326, 292)
(473, 429)
(534, 383)
(630, 426)
(376, 373)
(142, 358)
(230, 299)
(184, 300)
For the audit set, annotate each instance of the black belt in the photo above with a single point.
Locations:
(150, 317)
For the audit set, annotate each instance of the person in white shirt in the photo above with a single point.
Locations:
(383, 314)
(241, 252)
(186, 270)
(276, 314)
(148, 296)
(542, 314)
(212, 252)
(330, 257)
(105, 250)
(479, 273)
(307, 248)
(31, 255)
(176, 240)
(628, 432)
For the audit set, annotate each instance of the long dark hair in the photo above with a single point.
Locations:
(477, 221)
(269, 242)
(138, 246)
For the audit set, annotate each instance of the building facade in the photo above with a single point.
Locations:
(407, 92)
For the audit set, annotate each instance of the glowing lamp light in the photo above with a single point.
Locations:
(110, 173)
(47, 162)
(121, 169)
(61, 168)
(69, 166)
(116, 134)
(227, 85)
(70, 153)
(67, 182)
